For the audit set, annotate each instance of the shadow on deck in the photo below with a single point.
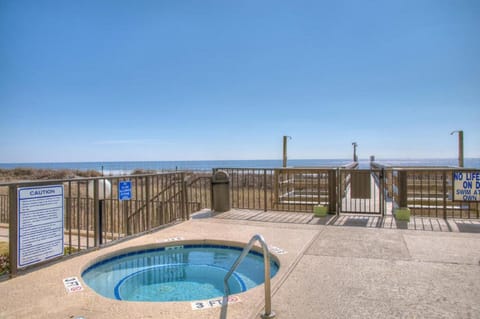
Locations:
(350, 220)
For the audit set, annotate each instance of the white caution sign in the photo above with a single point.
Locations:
(40, 224)
(466, 186)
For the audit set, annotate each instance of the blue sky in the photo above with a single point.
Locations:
(203, 80)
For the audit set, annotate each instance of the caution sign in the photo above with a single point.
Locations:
(40, 224)
(466, 186)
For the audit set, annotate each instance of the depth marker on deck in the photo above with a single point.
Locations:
(72, 284)
(277, 250)
(169, 239)
(213, 303)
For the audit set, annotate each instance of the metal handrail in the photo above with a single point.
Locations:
(266, 260)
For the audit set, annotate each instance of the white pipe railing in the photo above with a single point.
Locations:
(266, 260)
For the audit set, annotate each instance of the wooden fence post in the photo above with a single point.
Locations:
(332, 191)
(402, 189)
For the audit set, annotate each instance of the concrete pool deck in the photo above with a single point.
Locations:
(343, 267)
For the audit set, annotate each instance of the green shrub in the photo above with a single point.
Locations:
(70, 250)
(4, 260)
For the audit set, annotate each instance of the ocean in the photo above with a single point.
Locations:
(117, 168)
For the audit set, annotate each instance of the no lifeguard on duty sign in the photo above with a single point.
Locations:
(466, 186)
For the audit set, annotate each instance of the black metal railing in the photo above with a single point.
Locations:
(94, 213)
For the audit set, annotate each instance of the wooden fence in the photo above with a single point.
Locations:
(427, 192)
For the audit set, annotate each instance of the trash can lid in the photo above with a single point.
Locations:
(220, 176)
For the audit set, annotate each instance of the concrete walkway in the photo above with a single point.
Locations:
(332, 268)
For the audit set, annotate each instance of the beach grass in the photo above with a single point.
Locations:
(25, 174)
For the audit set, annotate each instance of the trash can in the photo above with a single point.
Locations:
(220, 191)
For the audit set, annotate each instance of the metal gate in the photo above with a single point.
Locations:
(361, 191)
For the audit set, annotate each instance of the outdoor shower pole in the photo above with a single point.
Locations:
(355, 158)
(285, 137)
(460, 147)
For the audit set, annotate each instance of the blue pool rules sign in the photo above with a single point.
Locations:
(466, 186)
(125, 190)
(40, 224)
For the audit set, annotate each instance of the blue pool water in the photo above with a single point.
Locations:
(180, 273)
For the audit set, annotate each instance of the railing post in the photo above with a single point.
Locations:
(445, 195)
(69, 215)
(339, 190)
(332, 191)
(319, 175)
(275, 187)
(147, 201)
(265, 190)
(126, 218)
(382, 191)
(186, 212)
(211, 190)
(96, 215)
(12, 231)
(101, 210)
(402, 189)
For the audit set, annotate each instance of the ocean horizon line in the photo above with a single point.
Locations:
(203, 165)
(247, 160)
